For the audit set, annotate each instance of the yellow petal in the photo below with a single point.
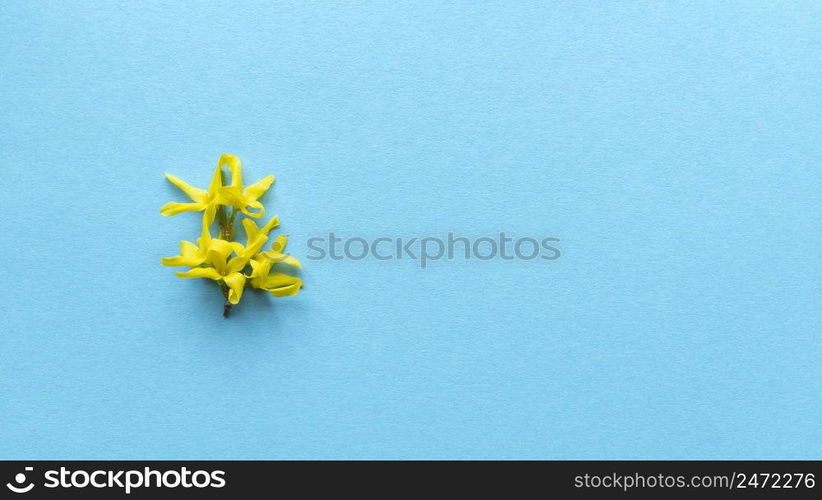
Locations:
(244, 204)
(236, 284)
(235, 167)
(205, 234)
(196, 194)
(282, 285)
(254, 191)
(174, 208)
(239, 262)
(256, 245)
(231, 196)
(274, 222)
(221, 247)
(218, 252)
(235, 265)
(292, 261)
(190, 256)
(251, 230)
(201, 272)
(255, 268)
(180, 261)
(259, 270)
(216, 180)
(187, 248)
(279, 243)
(237, 247)
(210, 213)
(281, 257)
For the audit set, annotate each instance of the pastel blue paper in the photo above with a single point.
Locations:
(674, 148)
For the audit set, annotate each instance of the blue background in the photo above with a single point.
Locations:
(674, 148)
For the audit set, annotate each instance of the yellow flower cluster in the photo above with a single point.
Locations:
(232, 264)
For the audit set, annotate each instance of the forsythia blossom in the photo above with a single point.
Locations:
(230, 263)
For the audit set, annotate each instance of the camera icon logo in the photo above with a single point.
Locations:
(20, 479)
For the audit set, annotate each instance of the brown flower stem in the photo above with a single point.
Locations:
(226, 304)
(226, 224)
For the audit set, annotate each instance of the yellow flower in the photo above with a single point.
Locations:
(191, 254)
(232, 195)
(202, 199)
(252, 231)
(212, 258)
(277, 284)
(235, 195)
(225, 270)
(275, 254)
